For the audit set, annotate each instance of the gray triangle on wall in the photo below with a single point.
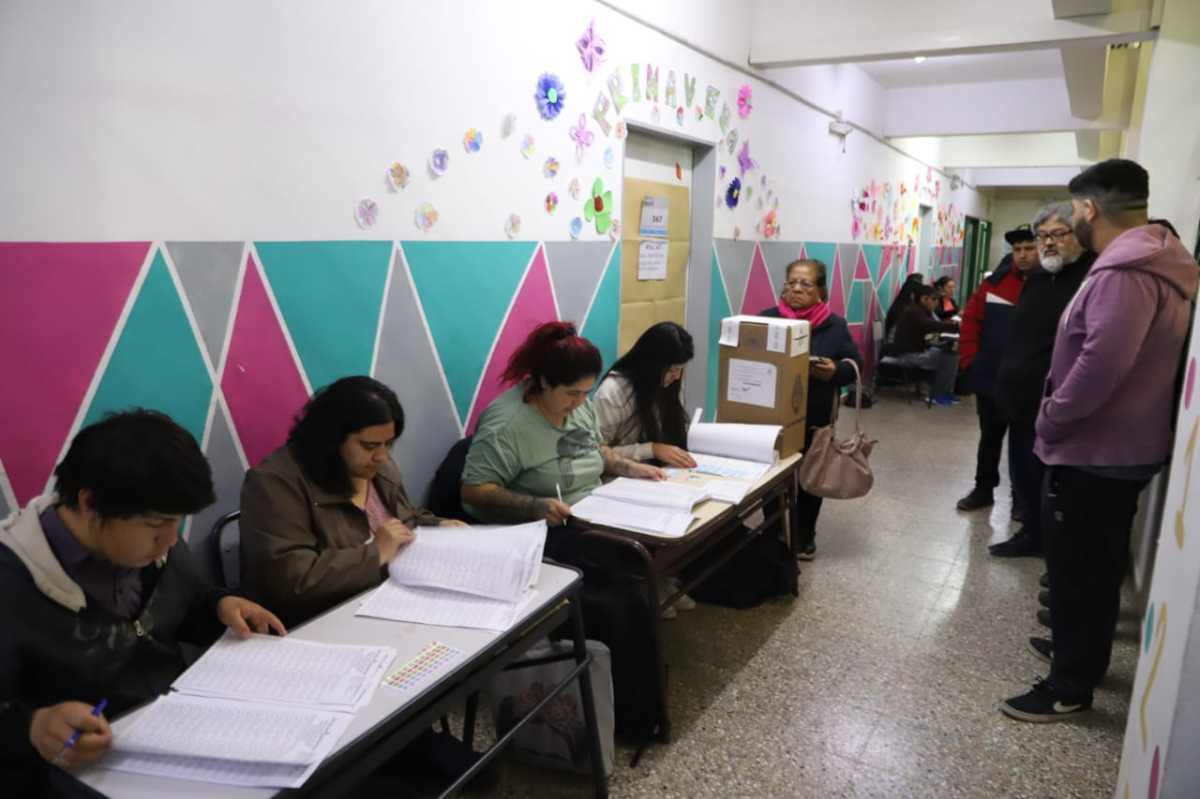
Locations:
(778, 254)
(576, 268)
(228, 474)
(735, 257)
(208, 271)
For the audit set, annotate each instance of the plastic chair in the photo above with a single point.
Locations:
(226, 540)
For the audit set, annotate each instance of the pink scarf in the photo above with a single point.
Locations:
(814, 314)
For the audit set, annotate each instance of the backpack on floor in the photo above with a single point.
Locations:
(763, 570)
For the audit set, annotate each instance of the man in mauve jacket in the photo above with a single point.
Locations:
(1105, 425)
(1026, 362)
(986, 323)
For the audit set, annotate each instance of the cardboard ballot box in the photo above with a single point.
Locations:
(763, 375)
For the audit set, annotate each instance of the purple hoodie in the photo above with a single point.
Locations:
(1111, 390)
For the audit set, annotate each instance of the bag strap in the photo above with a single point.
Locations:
(837, 398)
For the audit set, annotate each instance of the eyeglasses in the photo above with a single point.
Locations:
(1057, 236)
(796, 285)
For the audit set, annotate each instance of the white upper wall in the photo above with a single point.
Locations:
(232, 120)
(1015, 150)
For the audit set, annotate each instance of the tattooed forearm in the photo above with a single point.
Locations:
(504, 505)
(617, 464)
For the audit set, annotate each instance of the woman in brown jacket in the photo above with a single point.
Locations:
(324, 515)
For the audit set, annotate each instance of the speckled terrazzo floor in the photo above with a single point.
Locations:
(882, 678)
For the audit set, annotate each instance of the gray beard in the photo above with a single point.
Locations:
(1053, 264)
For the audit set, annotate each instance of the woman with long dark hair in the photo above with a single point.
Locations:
(639, 401)
(324, 515)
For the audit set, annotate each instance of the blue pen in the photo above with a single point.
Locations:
(74, 739)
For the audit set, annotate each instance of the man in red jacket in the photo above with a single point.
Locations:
(985, 327)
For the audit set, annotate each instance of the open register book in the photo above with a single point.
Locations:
(644, 506)
(258, 712)
(737, 451)
(481, 577)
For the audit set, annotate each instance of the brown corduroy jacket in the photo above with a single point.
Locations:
(304, 549)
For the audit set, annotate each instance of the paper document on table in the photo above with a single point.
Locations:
(492, 562)
(661, 522)
(735, 468)
(731, 491)
(442, 608)
(274, 670)
(221, 772)
(672, 496)
(229, 729)
(754, 442)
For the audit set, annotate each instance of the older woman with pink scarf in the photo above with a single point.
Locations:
(805, 297)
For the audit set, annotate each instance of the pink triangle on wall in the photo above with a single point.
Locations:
(261, 382)
(59, 304)
(861, 272)
(533, 305)
(886, 261)
(837, 294)
(760, 294)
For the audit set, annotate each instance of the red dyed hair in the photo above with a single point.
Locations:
(553, 353)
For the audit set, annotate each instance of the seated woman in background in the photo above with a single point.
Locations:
(639, 402)
(915, 344)
(805, 297)
(946, 307)
(904, 298)
(541, 439)
(324, 515)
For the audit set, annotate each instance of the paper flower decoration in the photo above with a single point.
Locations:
(366, 213)
(733, 193)
(582, 138)
(575, 190)
(731, 140)
(620, 130)
(576, 227)
(551, 203)
(528, 146)
(679, 116)
(743, 100)
(425, 217)
(512, 226)
(599, 207)
(507, 125)
(439, 162)
(550, 96)
(745, 162)
(614, 231)
(397, 176)
(550, 168)
(472, 140)
(590, 47)
(609, 158)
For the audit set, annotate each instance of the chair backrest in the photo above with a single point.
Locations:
(445, 493)
(226, 538)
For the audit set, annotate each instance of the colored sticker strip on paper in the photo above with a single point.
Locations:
(433, 659)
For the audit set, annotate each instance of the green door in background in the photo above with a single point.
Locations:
(976, 245)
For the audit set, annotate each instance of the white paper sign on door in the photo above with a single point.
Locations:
(751, 383)
(652, 260)
(654, 216)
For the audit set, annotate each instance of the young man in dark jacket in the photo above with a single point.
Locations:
(1026, 361)
(986, 322)
(1104, 427)
(99, 596)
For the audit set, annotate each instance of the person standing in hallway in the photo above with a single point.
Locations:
(805, 296)
(1026, 360)
(986, 323)
(1105, 424)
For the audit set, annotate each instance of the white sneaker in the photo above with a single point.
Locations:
(669, 613)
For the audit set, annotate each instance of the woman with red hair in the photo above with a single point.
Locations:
(537, 449)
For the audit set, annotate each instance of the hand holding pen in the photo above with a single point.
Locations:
(71, 734)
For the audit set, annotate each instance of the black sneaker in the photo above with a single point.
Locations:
(1042, 647)
(1044, 598)
(1043, 617)
(1042, 704)
(1044, 580)
(808, 552)
(1019, 546)
(976, 500)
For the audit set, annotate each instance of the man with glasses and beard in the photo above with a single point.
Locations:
(1026, 361)
(1104, 427)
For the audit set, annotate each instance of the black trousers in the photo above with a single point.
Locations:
(1027, 472)
(1087, 521)
(808, 508)
(992, 427)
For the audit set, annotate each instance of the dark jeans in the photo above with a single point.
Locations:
(808, 508)
(992, 427)
(1026, 471)
(1087, 521)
